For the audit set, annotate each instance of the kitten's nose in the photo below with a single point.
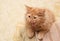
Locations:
(33, 22)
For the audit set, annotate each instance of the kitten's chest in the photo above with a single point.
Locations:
(36, 28)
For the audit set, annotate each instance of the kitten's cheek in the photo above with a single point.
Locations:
(29, 20)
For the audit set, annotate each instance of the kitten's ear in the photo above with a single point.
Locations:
(28, 8)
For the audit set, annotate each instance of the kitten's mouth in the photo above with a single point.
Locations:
(33, 23)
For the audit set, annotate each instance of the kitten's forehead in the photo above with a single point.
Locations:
(37, 10)
(34, 10)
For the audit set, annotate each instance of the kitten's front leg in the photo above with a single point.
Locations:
(41, 35)
(30, 33)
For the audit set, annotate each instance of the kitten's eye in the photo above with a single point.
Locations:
(29, 16)
(34, 17)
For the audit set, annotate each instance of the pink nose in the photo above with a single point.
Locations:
(33, 22)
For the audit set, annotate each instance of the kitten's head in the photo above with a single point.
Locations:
(35, 16)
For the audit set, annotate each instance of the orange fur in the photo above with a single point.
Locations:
(38, 20)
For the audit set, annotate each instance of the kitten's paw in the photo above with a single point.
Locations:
(40, 39)
(31, 35)
(40, 36)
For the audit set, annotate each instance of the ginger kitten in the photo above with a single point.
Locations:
(38, 21)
